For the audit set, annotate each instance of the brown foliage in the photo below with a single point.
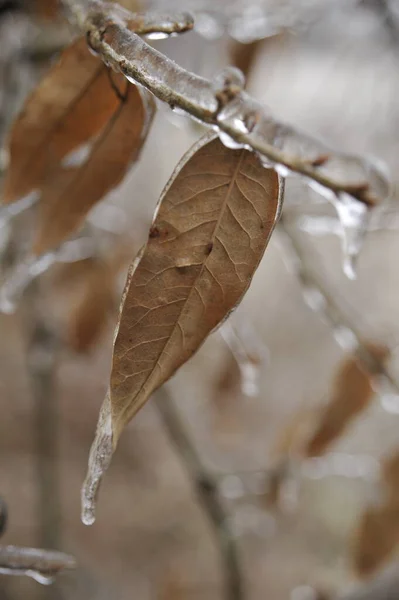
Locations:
(352, 393)
(97, 302)
(48, 9)
(74, 140)
(70, 193)
(390, 473)
(68, 107)
(376, 538)
(212, 226)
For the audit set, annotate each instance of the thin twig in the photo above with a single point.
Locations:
(221, 104)
(34, 562)
(206, 489)
(329, 308)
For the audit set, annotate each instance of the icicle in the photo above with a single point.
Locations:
(99, 460)
(158, 35)
(40, 565)
(249, 353)
(19, 279)
(36, 575)
(313, 297)
(319, 226)
(78, 156)
(389, 398)
(354, 218)
(345, 338)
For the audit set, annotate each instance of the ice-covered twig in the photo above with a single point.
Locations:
(41, 565)
(207, 491)
(321, 301)
(240, 119)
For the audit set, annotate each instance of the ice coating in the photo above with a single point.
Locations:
(9, 211)
(20, 277)
(354, 218)
(248, 350)
(99, 460)
(40, 565)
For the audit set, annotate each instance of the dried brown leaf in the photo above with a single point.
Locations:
(210, 231)
(69, 194)
(69, 106)
(97, 302)
(212, 226)
(352, 393)
(390, 473)
(243, 56)
(48, 9)
(375, 539)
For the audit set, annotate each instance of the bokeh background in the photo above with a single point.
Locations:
(331, 69)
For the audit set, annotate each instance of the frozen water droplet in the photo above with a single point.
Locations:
(232, 487)
(354, 217)
(282, 170)
(250, 374)
(345, 338)
(313, 298)
(11, 210)
(77, 157)
(228, 78)
(99, 461)
(40, 577)
(266, 162)
(208, 26)
(229, 142)
(19, 279)
(179, 111)
(390, 403)
(157, 35)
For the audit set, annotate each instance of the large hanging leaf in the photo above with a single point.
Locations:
(213, 223)
(68, 107)
(69, 194)
(210, 231)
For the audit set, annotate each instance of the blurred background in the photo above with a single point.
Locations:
(209, 495)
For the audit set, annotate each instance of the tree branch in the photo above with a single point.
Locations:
(206, 489)
(327, 307)
(41, 565)
(222, 104)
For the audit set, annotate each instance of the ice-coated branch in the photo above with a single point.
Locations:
(206, 489)
(112, 32)
(321, 301)
(41, 565)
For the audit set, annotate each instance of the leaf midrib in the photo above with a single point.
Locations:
(223, 208)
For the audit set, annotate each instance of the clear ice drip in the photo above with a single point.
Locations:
(8, 211)
(249, 352)
(99, 460)
(354, 218)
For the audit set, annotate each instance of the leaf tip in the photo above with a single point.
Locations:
(99, 460)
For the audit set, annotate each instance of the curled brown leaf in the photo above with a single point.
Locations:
(68, 107)
(69, 194)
